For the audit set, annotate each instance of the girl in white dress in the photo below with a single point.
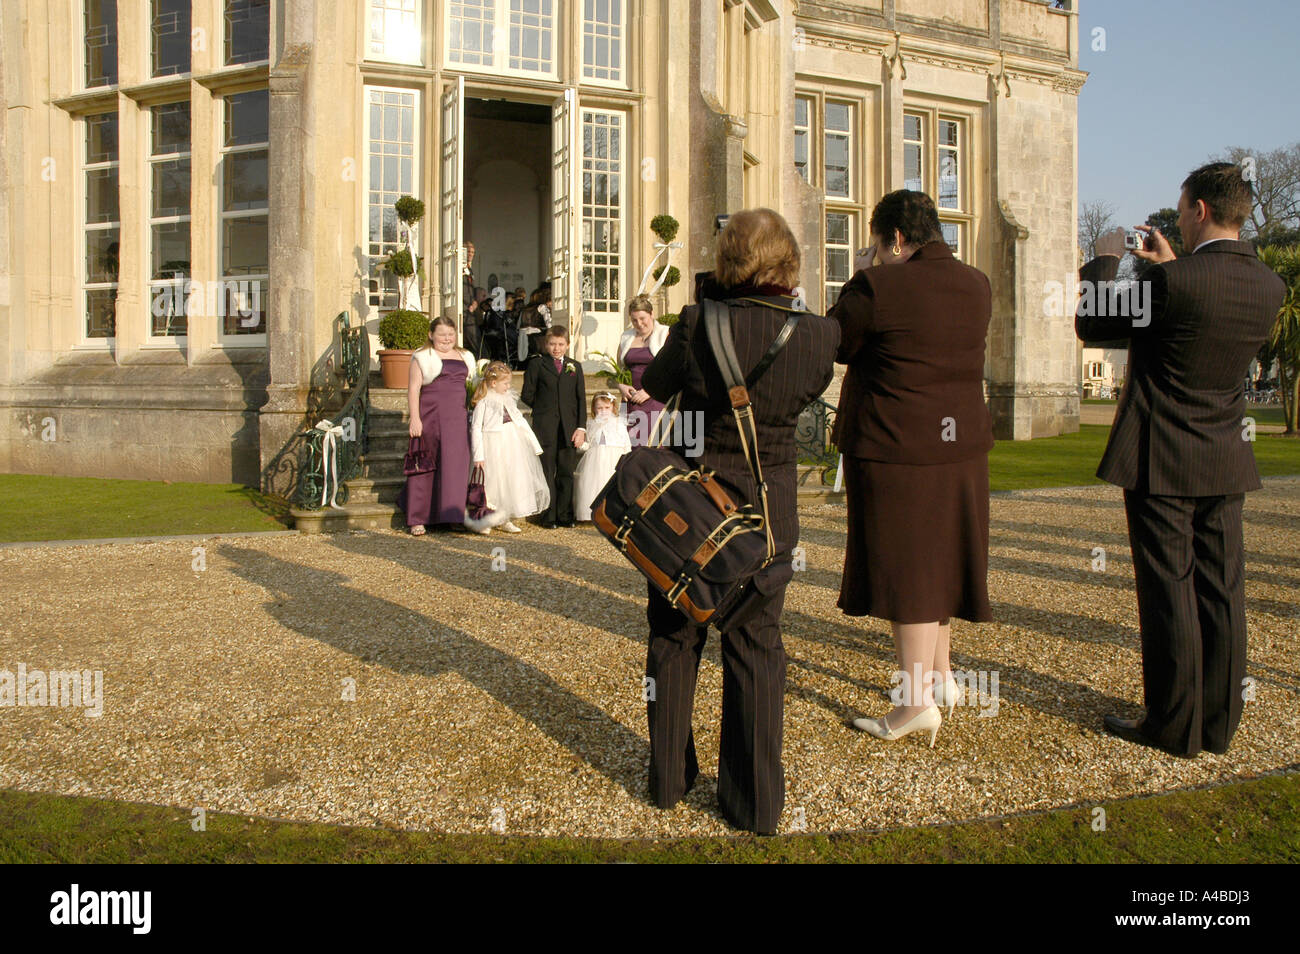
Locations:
(607, 441)
(503, 444)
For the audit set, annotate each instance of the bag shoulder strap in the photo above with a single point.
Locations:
(782, 337)
(717, 325)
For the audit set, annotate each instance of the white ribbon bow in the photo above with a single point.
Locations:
(328, 446)
(663, 249)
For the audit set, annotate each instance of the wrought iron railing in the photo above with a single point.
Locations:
(812, 439)
(353, 417)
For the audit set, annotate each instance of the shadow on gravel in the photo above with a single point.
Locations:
(411, 642)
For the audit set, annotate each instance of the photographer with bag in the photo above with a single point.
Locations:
(757, 269)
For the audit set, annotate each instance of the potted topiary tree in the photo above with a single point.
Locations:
(406, 328)
(664, 226)
(401, 332)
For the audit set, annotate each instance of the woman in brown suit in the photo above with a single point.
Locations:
(915, 434)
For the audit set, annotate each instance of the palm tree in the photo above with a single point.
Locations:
(1285, 260)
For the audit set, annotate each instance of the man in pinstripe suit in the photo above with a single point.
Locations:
(1179, 449)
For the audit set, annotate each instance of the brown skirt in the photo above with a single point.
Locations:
(918, 541)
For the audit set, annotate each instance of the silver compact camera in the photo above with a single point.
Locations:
(1134, 240)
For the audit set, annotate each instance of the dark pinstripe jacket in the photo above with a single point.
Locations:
(1178, 429)
(800, 373)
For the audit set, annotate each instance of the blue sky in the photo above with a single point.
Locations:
(1178, 82)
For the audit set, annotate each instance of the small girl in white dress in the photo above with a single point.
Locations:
(607, 441)
(503, 444)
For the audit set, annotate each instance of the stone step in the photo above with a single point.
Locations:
(354, 516)
(370, 490)
(389, 441)
(382, 464)
(819, 494)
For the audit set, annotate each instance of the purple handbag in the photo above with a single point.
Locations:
(419, 459)
(476, 507)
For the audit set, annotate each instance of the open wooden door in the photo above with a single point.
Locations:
(451, 264)
(566, 265)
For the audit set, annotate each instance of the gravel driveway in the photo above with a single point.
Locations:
(372, 678)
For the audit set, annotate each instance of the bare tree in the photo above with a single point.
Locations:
(1095, 220)
(1276, 181)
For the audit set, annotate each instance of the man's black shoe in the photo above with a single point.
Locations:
(1130, 730)
(548, 524)
(567, 523)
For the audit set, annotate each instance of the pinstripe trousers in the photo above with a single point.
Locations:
(1189, 565)
(751, 779)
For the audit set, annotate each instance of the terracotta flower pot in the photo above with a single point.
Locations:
(395, 367)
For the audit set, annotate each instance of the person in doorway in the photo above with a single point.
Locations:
(470, 318)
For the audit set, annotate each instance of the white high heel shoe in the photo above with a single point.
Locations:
(946, 694)
(926, 719)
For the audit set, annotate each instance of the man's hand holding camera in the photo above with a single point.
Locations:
(1145, 242)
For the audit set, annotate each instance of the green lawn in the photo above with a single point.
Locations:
(1262, 413)
(34, 507)
(1071, 459)
(1245, 822)
(80, 508)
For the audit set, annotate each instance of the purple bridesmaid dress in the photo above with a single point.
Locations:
(640, 417)
(439, 497)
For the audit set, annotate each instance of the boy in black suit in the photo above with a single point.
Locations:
(555, 390)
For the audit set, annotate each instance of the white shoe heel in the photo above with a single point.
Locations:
(927, 719)
(946, 694)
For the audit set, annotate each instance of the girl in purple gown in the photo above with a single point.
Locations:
(636, 349)
(436, 403)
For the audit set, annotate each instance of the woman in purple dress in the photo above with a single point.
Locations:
(436, 403)
(636, 349)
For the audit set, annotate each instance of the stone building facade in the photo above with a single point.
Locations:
(192, 190)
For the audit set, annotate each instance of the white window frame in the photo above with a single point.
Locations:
(224, 339)
(149, 49)
(155, 285)
(832, 286)
(851, 205)
(500, 31)
(408, 48)
(959, 151)
(620, 270)
(808, 173)
(617, 33)
(375, 307)
(919, 144)
(963, 233)
(85, 61)
(82, 276)
(225, 38)
(850, 137)
(962, 218)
